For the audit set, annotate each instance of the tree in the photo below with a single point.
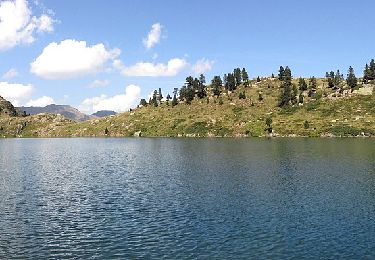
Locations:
(155, 98)
(216, 84)
(245, 76)
(330, 76)
(174, 100)
(242, 95)
(258, 79)
(237, 76)
(159, 96)
(281, 73)
(168, 98)
(269, 124)
(302, 85)
(372, 70)
(306, 124)
(337, 79)
(351, 79)
(231, 82)
(366, 74)
(143, 102)
(312, 86)
(285, 94)
(202, 79)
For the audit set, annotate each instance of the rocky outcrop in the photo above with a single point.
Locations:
(7, 109)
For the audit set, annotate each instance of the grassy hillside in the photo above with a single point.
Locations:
(327, 114)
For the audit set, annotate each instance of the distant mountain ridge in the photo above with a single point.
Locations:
(104, 113)
(67, 111)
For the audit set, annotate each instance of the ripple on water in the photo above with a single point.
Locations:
(184, 199)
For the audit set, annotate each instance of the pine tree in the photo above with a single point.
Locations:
(231, 82)
(143, 102)
(154, 98)
(174, 100)
(245, 76)
(202, 79)
(294, 94)
(281, 73)
(351, 79)
(372, 70)
(337, 79)
(216, 85)
(159, 96)
(286, 92)
(237, 76)
(366, 74)
(302, 84)
(258, 79)
(312, 86)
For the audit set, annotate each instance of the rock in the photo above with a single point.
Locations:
(138, 134)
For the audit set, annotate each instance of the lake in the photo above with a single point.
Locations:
(151, 198)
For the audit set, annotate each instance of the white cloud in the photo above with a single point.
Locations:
(17, 94)
(18, 26)
(118, 103)
(202, 66)
(12, 73)
(71, 59)
(40, 102)
(149, 69)
(153, 36)
(99, 83)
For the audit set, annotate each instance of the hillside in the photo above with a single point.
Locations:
(328, 113)
(7, 109)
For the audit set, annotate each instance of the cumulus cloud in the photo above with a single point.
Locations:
(40, 102)
(202, 66)
(17, 94)
(118, 103)
(70, 59)
(12, 73)
(18, 26)
(99, 83)
(153, 36)
(149, 69)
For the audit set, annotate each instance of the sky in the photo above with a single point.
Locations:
(106, 55)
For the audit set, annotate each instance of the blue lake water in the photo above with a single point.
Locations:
(187, 198)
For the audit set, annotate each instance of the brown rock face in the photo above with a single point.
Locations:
(6, 108)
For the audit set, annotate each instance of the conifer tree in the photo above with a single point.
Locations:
(216, 84)
(302, 84)
(237, 76)
(294, 94)
(281, 73)
(372, 70)
(351, 79)
(245, 76)
(286, 92)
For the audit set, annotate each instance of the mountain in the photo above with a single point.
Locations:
(6, 108)
(65, 110)
(104, 113)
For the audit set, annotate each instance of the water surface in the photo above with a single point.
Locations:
(187, 198)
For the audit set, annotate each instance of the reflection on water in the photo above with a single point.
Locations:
(187, 198)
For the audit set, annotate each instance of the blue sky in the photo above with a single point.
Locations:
(85, 53)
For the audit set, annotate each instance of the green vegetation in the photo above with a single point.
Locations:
(236, 106)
